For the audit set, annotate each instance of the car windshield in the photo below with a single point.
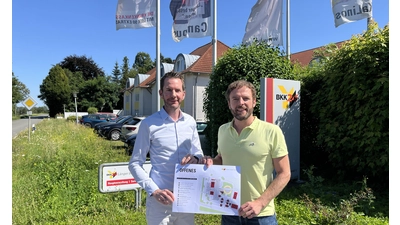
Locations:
(134, 121)
(123, 119)
(201, 127)
(119, 119)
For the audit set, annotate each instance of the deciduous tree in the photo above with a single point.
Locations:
(55, 90)
(19, 90)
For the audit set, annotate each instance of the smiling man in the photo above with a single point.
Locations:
(259, 148)
(170, 136)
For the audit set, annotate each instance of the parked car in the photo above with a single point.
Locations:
(201, 128)
(92, 119)
(96, 128)
(131, 128)
(129, 143)
(113, 131)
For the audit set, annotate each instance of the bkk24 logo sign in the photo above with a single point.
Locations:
(288, 97)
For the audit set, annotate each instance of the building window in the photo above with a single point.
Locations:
(179, 64)
(315, 61)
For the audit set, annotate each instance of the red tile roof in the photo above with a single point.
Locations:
(305, 57)
(203, 64)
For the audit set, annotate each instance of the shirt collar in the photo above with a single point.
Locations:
(164, 115)
(252, 125)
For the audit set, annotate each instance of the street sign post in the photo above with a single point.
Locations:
(29, 103)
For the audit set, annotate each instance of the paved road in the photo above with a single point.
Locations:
(23, 124)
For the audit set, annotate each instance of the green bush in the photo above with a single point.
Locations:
(92, 110)
(73, 118)
(352, 106)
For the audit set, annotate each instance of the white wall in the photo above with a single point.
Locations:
(68, 114)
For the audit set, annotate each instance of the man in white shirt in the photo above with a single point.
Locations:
(170, 136)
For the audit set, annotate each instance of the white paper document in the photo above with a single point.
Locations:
(213, 190)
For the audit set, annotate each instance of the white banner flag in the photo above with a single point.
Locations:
(135, 14)
(265, 22)
(192, 19)
(347, 11)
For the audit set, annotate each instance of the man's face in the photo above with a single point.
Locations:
(241, 103)
(172, 93)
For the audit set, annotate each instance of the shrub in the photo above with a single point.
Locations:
(92, 110)
(353, 107)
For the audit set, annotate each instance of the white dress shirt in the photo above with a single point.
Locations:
(168, 142)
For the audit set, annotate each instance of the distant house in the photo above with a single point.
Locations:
(306, 57)
(141, 93)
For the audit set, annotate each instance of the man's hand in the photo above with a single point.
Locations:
(250, 209)
(206, 160)
(189, 159)
(165, 196)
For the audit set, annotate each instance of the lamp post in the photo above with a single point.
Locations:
(76, 106)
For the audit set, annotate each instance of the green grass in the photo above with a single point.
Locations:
(55, 181)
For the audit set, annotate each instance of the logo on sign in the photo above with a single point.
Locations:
(288, 97)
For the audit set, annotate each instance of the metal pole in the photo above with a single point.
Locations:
(29, 128)
(158, 55)
(76, 111)
(288, 29)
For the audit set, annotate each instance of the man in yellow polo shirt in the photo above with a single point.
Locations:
(259, 148)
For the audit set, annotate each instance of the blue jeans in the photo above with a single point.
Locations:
(238, 220)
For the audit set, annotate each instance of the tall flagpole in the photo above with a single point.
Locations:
(288, 28)
(158, 55)
(214, 38)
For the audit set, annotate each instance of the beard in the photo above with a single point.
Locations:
(171, 103)
(242, 114)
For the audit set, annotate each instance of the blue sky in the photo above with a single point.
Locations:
(44, 33)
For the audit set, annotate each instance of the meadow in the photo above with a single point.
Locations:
(55, 181)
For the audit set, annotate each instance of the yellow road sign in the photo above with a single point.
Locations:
(29, 103)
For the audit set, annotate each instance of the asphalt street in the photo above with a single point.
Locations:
(23, 124)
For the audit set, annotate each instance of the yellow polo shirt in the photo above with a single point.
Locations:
(253, 150)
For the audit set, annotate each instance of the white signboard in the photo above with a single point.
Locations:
(115, 177)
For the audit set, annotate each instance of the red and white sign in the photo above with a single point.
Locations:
(280, 105)
(114, 177)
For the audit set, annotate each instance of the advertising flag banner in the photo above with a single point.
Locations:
(265, 23)
(192, 19)
(136, 14)
(347, 11)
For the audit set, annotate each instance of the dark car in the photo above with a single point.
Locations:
(96, 128)
(92, 119)
(112, 131)
(201, 129)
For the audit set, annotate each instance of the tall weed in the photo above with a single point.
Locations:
(55, 181)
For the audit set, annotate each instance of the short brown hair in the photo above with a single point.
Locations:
(238, 84)
(172, 74)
